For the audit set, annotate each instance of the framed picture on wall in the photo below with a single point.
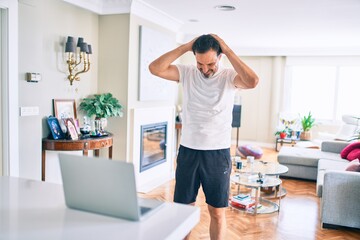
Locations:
(64, 108)
(151, 87)
(55, 128)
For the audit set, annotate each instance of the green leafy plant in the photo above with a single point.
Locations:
(307, 122)
(101, 105)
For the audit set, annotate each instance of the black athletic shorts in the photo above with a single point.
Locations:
(210, 168)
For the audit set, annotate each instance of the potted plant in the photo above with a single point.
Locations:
(307, 122)
(102, 106)
(281, 133)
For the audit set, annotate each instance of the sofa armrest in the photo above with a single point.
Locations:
(333, 146)
(340, 199)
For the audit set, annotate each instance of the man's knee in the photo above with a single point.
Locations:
(216, 213)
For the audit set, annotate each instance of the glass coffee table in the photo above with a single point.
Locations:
(253, 182)
(266, 169)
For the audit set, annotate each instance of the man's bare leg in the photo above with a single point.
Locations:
(217, 223)
(188, 236)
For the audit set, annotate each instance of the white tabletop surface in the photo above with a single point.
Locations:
(244, 179)
(267, 168)
(36, 210)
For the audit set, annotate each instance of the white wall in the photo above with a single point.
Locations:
(113, 73)
(9, 85)
(43, 28)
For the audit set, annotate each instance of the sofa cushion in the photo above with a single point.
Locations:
(305, 156)
(353, 166)
(325, 165)
(349, 148)
(354, 154)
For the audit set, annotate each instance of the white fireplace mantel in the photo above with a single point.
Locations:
(162, 173)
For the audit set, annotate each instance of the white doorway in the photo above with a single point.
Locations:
(9, 110)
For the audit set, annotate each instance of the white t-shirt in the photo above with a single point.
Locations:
(207, 108)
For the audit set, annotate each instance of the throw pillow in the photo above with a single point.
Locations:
(249, 150)
(353, 166)
(344, 153)
(354, 154)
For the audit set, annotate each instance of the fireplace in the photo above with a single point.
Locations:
(153, 143)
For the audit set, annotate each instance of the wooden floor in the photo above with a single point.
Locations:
(297, 219)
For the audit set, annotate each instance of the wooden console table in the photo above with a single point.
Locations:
(75, 145)
(283, 141)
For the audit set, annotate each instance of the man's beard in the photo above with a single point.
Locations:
(208, 74)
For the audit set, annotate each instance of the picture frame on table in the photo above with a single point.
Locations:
(64, 108)
(55, 128)
(71, 128)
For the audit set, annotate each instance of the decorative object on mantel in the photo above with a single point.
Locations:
(307, 123)
(75, 57)
(102, 106)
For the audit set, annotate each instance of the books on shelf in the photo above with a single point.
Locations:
(260, 208)
(243, 201)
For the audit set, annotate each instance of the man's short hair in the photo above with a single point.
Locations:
(204, 43)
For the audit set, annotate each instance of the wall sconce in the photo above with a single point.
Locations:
(75, 58)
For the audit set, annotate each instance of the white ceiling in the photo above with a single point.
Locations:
(263, 25)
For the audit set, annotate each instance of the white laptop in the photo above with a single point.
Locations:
(103, 186)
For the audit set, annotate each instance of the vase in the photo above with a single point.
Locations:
(97, 127)
(103, 124)
(282, 135)
(306, 135)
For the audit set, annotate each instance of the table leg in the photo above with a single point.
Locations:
(110, 152)
(43, 160)
(280, 189)
(257, 199)
(96, 152)
(85, 152)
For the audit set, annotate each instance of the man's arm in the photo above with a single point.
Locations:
(162, 66)
(246, 77)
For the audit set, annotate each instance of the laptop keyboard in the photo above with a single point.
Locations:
(144, 210)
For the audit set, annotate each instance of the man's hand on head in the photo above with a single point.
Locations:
(224, 47)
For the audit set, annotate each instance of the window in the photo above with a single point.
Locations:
(329, 89)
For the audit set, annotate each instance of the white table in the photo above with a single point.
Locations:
(36, 210)
(268, 169)
(269, 206)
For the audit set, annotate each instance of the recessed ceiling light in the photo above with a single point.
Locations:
(225, 8)
(193, 20)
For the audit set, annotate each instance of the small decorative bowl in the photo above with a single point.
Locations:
(84, 131)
